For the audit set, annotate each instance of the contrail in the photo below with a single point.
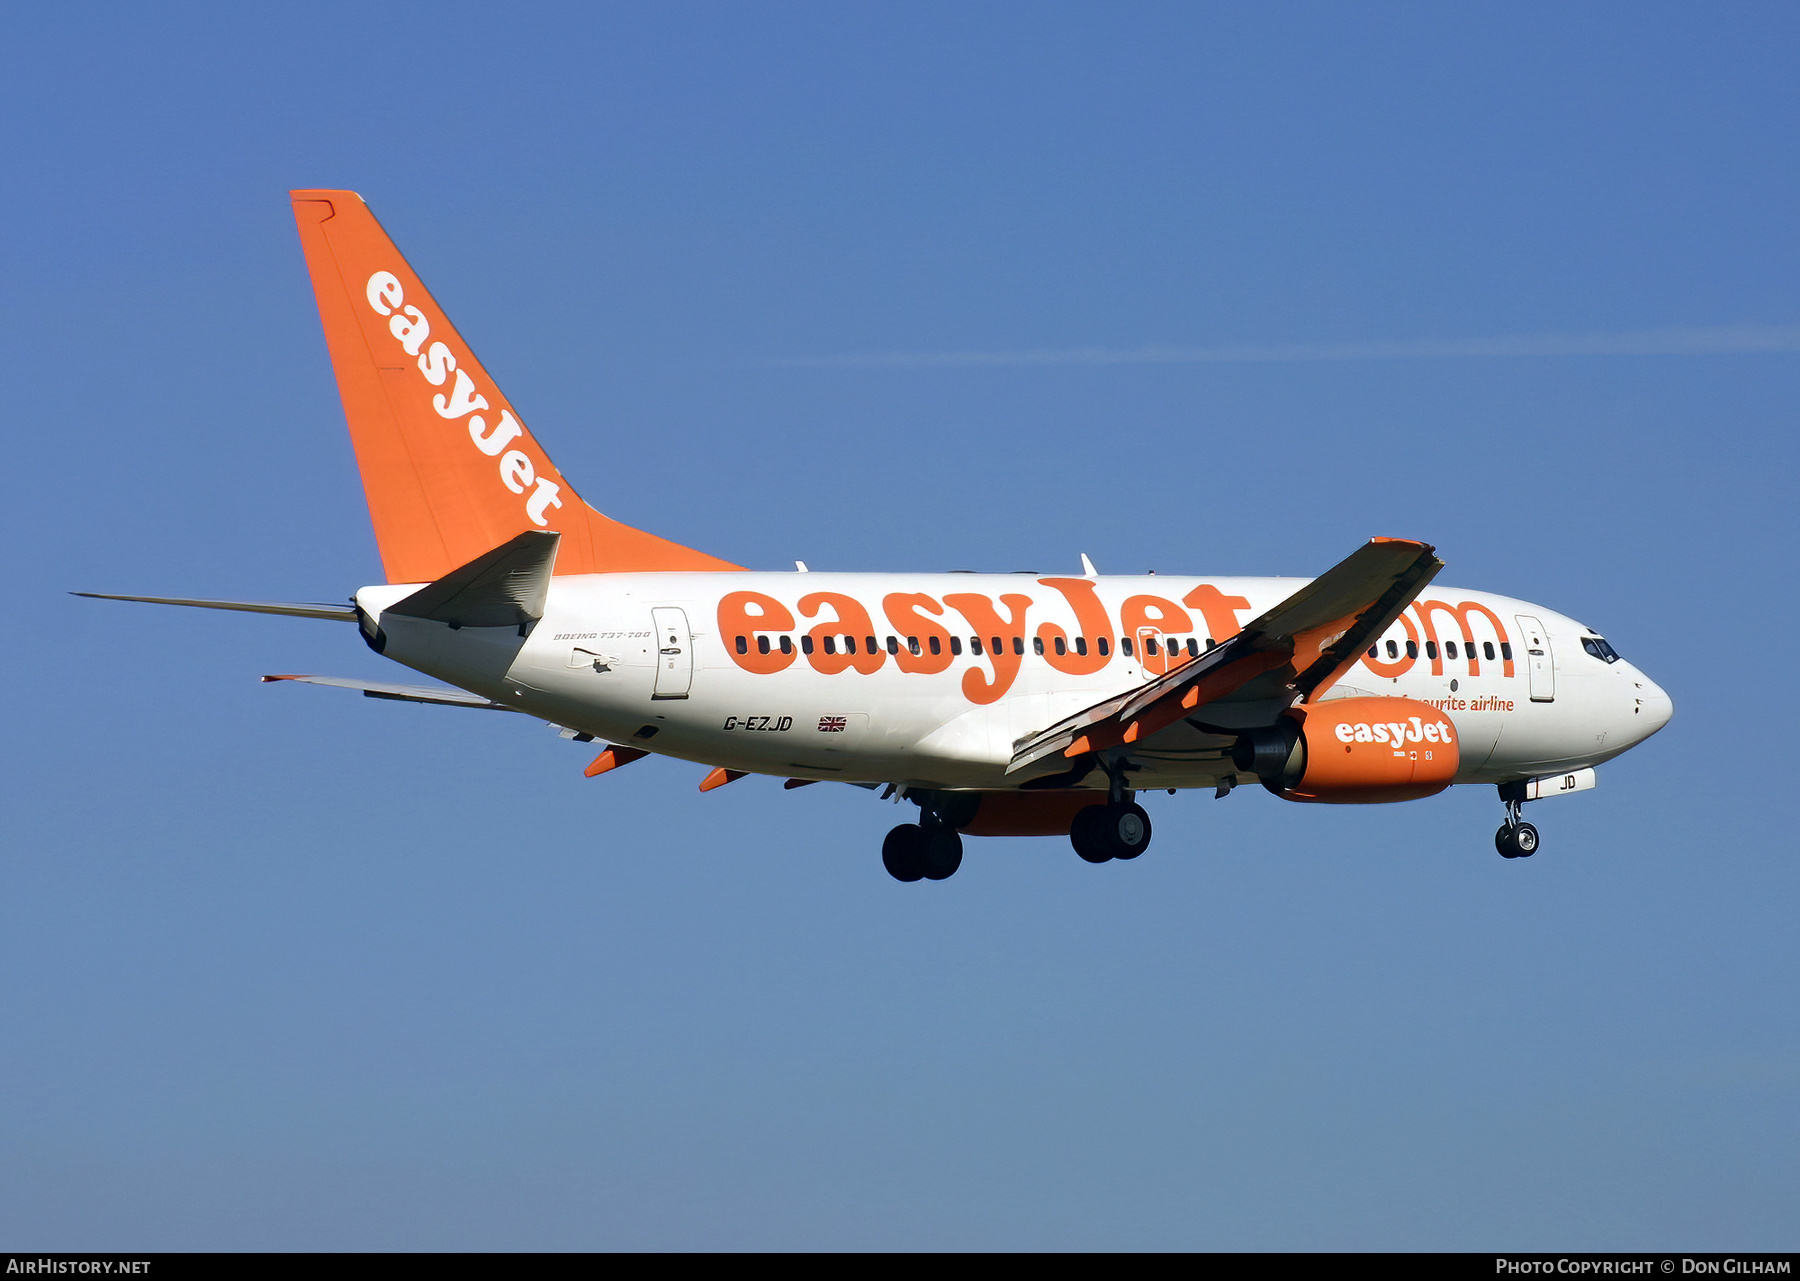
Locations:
(1716, 341)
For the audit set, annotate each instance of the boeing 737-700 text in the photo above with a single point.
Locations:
(1000, 704)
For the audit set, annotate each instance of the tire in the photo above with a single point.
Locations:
(940, 853)
(903, 852)
(1525, 840)
(1127, 830)
(1503, 842)
(1087, 834)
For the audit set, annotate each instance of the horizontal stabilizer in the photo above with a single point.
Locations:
(502, 588)
(442, 694)
(338, 613)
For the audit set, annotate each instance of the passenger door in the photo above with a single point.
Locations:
(1540, 663)
(674, 653)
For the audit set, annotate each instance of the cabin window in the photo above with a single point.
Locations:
(893, 644)
(1506, 650)
(1210, 643)
(955, 645)
(743, 646)
(912, 644)
(762, 644)
(830, 645)
(1372, 653)
(1060, 647)
(1125, 646)
(872, 646)
(936, 646)
(1393, 650)
(806, 643)
(1081, 646)
(1194, 647)
(1431, 649)
(997, 649)
(1037, 644)
(975, 645)
(1412, 649)
(1487, 650)
(787, 644)
(1450, 649)
(1101, 642)
(1019, 645)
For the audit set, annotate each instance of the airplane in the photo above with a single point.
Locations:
(999, 704)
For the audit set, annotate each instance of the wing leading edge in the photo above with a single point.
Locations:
(1302, 646)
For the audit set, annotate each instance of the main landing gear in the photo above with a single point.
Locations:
(929, 849)
(1101, 833)
(1516, 838)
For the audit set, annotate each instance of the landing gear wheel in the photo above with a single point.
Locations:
(1516, 840)
(1101, 833)
(1087, 834)
(1127, 829)
(903, 852)
(940, 852)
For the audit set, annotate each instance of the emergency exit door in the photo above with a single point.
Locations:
(1540, 663)
(674, 653)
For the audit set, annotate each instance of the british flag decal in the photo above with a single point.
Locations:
(833, 724)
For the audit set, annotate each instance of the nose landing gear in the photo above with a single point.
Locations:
(1516, 838)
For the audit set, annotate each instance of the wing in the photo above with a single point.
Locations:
(1297, 649)
(403, 693)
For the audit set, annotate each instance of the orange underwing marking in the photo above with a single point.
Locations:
(792, 783)
(719, 777)
(612, 758)
(1191, 699)
(1080, 747)
(1131, 732)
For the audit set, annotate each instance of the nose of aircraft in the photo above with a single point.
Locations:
(1654, 707)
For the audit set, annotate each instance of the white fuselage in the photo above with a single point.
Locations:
(681, 664)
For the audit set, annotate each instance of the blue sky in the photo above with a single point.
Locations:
(285, 968)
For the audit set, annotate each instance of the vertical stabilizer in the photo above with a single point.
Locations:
(449, 470)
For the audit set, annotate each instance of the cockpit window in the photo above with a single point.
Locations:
(1597, 646)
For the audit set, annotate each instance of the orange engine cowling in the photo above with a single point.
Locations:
(1353, 751)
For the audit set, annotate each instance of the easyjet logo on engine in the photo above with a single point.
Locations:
(1396, 733)
(411, 329)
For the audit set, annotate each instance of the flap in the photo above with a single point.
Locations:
(1300, 648)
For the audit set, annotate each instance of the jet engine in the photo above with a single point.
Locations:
(1353, 751)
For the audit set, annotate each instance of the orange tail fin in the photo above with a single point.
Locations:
(449, 470)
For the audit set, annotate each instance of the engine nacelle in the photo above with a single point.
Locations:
(1353, 751)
